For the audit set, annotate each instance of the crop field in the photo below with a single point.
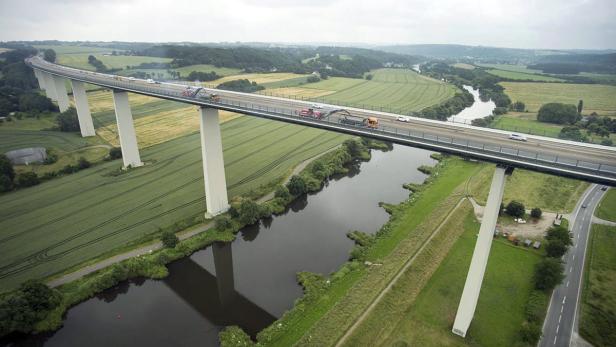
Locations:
(510, 67)
(80, 60)
(607, 207)
(56, 225)
(260, 78)
(464, 66)
(598, 304)
(597, 98)
(391, 89)
(523, 76)
(500, 309)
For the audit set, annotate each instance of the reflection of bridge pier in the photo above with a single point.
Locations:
(215, 297)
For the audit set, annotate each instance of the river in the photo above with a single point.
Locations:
(479, 109)
(251, 281)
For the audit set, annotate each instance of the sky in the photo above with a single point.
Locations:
(556, 24)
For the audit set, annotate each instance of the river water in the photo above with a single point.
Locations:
(251, 281)
(479, 109)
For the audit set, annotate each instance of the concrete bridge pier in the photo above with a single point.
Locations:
(40, 78)
(213, 163)
(50, 87)
(126, 130)
(61, 95)
(83, 109)
(472, 287)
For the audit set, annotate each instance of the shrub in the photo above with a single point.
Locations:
(223, 223)
(530, 333)
(115, 152)
(68, 121)
(555, 248)
(6, 167)
(27, 179)
(536, 212)
(5, 183)
(515, 209)
(249, 212)
(83, 163)
(571, 133)
(282, 192)
(559, 233)
(558, 113)
(169, 239)
(548, 274)
(518, 106)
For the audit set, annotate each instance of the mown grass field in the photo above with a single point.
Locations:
(598, 304)
(75, 49)
(510, 67)
(397, 90)
(500, 309)
(533, 189)
(464, 66)
(607, 207)
(260, 78)
(597, 98)
(80, 60)
(56, 225)
(523, 76)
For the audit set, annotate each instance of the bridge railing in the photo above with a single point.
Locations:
(402, 133)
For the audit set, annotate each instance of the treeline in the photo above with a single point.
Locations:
(241, 86)
(333, 65)
(449, 107)
(100, 67)
(202, 76)
(576, 63)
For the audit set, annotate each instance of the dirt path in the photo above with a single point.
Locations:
(182, 235)
(401, 272)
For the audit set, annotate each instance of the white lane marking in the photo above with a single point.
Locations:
(561, 309)
(574, 257)
(570, 269)
(555, 339)
(564, 299)
(557, 327)
(567, 284)
(559, 317)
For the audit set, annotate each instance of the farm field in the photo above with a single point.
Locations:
(533, 189)
(500, 310)
(523, 76)
(395, 89)
(597, 98)
(260, 78)
(80, 60)
(94, 211)
(222, 71)
(464, 66)
(510, 67)
(75, 49)
(607, 207)
(598, 302)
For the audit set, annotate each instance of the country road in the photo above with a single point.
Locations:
(561, 320)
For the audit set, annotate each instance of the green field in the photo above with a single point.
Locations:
(513, 75)
(80, 60)
(500, 310)
(607, 207)
(464, 66)
(510, 67)
(597, 98)
(222, 71)
(75, 49)
(59, 224)
(598, 309)
(395, 90)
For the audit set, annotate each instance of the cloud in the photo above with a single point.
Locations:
(519, 23)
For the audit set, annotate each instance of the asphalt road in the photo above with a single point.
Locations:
(563, 310)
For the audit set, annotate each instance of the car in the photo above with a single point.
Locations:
(131, 78)
(584, 206)
(517, 137)
(151, 81)
(404, 119)
(157, 82)
(604, 188)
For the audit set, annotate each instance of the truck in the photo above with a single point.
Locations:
(200, 93)
(370, 122)
(310, 112)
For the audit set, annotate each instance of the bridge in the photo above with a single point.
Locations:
(584, 161)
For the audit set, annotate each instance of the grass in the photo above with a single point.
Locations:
(260, 78)
(510, 67)
(500, 309)
(395, 90)
(533, 189)
(607, 207)
(512, 75)
(411, 223)
(222, 71)
(76, 49)
(80, 60)
(597, 98)
(464, 66)
(61, 223)
(598, 309)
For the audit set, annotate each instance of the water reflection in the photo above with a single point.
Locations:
(479, 109)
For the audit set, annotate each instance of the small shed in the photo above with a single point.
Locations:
(536, 245)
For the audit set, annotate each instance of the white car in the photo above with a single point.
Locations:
(316, 106)
(404, 119)
(131, 78)
(151, 81)
(517, 137)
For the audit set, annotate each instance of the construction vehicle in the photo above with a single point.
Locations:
(370, 122)
(200, 93)
(310, 112)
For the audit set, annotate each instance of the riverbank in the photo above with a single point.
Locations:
(331, 304)
(152, 264)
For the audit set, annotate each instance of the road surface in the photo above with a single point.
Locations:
(563, 310)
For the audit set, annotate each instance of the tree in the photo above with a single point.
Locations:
(115, 152)
(35, 102)
(369, 77)
(39, 296)
(223, 223)
(571, 133)
(68, 121)
(559, 233)
(83, 163)
(536, 212)
(518, 106)
(282, 192)
(6, 183)
(515, 209)
(296, 185)
(6, 167)
(169, 239)
(248, 212)
(27, 179)
(548, 274)
(580, 106)
(607, 142)
(49, 55)
(558, 113)
(555, 248)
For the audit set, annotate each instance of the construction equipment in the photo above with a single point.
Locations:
(200, 93)
(370, 122)
(310, 112)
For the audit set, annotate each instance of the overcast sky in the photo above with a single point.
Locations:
(503, 23)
